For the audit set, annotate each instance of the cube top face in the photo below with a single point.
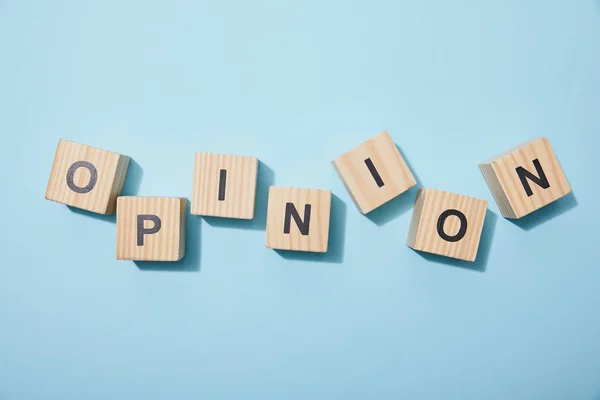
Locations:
(298, 219)
(151, 228)
(447, 224)
(525, 178)
(86, 177)
(224, 185)
(374, 172)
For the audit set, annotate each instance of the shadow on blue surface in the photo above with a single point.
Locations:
(131, 187)
(597, 395)
(399, 204)
(133, 180)
(546, 213)
(337, 238)
(483, 254)
(266, 179)
(191, 261)
(100, 217)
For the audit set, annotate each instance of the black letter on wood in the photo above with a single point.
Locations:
(222, 184)
(141, 231)
(374, 172)
(463, 225)
(71, 173)
(290, 211)
(542, 181)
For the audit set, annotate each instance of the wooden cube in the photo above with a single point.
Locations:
(86, 177)
(374, 172)
(525, 178)
(151, 228)
(224, 185)
(447, 224)
(298, 219)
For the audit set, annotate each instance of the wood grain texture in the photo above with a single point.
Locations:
(391, 167)
(168, 244)
(318, 234)
(500, 173)
(239, 191)
(111, 169)
(423, 234)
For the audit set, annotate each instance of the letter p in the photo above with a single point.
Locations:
(141, 231)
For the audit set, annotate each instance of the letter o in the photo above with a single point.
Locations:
(461, 231)
(71, 173)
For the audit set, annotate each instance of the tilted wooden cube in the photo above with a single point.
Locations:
(525, 178)
(298, 219)
(86, 177)
(447, 224)
(224, 185)
(151, 228)
(374, 172)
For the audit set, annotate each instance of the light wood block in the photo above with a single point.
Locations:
(525, 178)
(86, 177)
(298, 219)
(151, 228)
(447, 224)
(374, 172)
(224, 185)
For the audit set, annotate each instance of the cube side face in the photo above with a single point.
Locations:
(118, 183)
(224, 185)
(291, 225)
(183, 228)
(518, 171)
(499, 195)
(416, 218)
(150, 228)
(450, 225)
(374, 172)
(85, 177)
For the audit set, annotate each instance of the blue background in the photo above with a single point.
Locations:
(297, 84)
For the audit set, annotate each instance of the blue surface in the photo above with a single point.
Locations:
(297, 84)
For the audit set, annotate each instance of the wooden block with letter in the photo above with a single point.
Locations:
(151, 228)
(86, 177)
(525, 178)
(224, 185)
(447, 224)
(298, 219)
(374, 172)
